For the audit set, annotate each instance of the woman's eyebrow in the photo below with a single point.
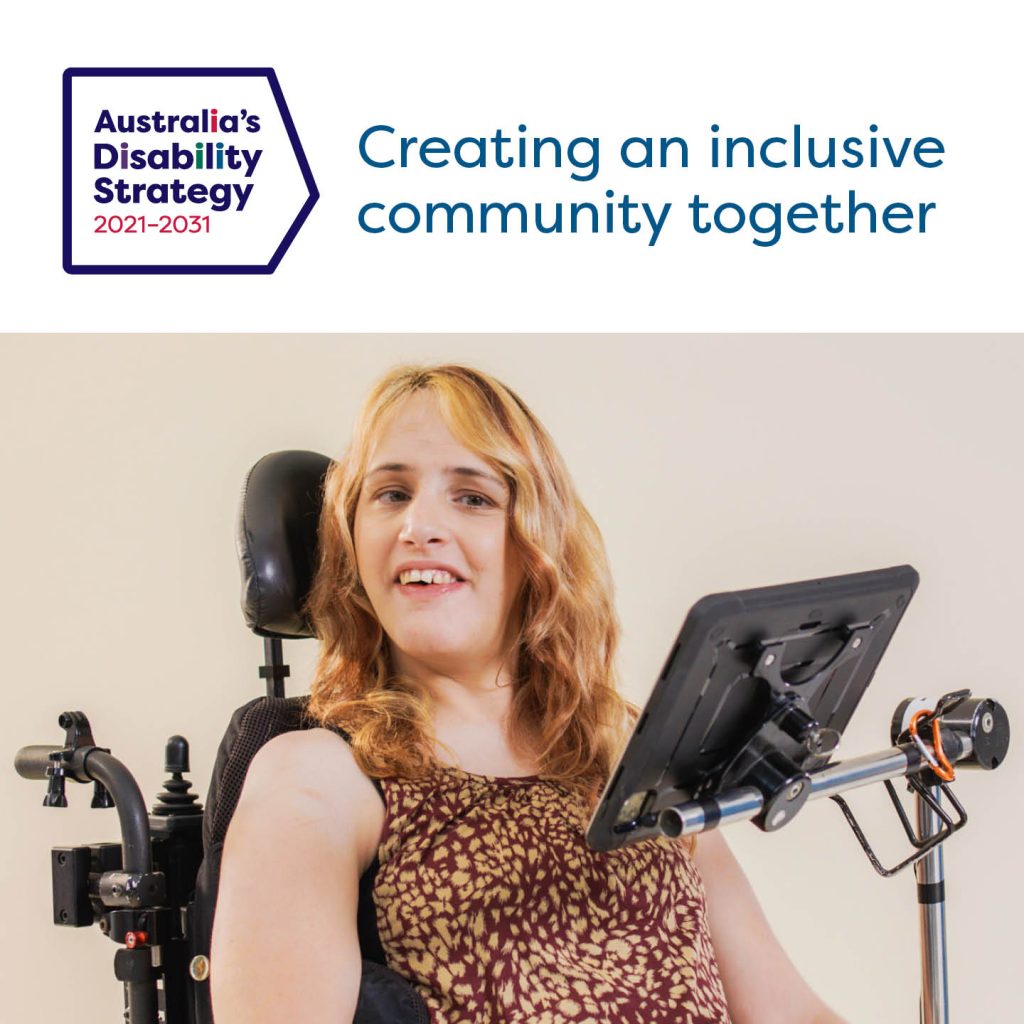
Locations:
(469, 471)
(478, 474)
(390, 467)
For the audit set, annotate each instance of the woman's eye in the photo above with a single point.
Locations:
(476, 501)
(391, 496)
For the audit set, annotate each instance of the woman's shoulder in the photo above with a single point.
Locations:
(298, 750)
(311, 776)
(316, 761)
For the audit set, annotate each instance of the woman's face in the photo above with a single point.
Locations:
(432, 546)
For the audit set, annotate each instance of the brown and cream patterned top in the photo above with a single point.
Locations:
(490, 901)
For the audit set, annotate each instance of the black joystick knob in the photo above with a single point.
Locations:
(176, 755)
(176, 800)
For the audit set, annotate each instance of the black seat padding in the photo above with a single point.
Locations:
(384, 996)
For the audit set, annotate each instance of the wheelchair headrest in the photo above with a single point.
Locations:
(277, 540)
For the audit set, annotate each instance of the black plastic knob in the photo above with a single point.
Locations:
(176, 755)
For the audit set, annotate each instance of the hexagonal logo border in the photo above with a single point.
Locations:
(307, 175)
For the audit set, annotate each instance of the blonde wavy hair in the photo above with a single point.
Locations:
(565, 707)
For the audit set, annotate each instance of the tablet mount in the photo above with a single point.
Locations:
(750, 706)
(974, 733)
(762, 760)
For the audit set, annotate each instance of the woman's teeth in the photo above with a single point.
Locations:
(425, 576)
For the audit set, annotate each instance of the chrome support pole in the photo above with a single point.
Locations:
(931, 898)
(743, 804)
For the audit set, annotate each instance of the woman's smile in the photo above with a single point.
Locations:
(427, 583)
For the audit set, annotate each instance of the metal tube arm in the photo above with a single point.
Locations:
(746, 803)
(101, 766)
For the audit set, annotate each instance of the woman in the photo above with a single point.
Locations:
(467, 648)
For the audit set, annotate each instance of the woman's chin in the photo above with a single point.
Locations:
(441, 655)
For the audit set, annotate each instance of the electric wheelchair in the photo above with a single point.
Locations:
(155, 892)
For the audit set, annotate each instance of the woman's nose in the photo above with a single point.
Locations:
(424, 522)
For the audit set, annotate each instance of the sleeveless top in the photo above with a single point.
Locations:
(489, 900)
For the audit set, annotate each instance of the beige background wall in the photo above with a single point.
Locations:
(710, 462)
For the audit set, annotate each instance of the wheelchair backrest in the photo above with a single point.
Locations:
(384, 997)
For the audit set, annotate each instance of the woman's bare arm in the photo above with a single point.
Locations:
(761, 984)
(285, 945)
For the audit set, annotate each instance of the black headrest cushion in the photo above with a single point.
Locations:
(277, 540)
